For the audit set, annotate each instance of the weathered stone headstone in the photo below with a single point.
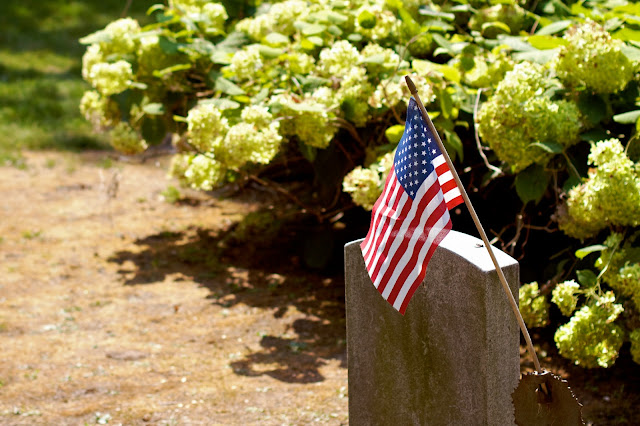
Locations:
(452, 359)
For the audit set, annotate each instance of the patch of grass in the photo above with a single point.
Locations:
(40, 72)
(171, 194)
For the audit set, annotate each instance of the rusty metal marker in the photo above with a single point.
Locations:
(556, 406)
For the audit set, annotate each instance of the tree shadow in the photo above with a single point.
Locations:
(252, 265)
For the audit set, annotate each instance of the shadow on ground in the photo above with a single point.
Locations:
(261, 262)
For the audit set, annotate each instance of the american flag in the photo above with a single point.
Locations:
(411, 217)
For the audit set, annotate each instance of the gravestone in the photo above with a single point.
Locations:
(452, 359)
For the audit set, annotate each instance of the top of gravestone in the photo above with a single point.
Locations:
(468, 247)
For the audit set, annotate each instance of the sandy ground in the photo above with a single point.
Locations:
(115, 307)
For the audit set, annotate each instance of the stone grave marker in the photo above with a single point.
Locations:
(452, 359)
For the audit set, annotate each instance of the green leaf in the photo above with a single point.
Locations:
(587, 277)
(423, 67)
(531, 183)
(377, 59)
(269, 52)
(538, 56)
(276, 39)
(309, 29)
(592, 107)
(317, 41)
(496, 25)
(221, 57)
(154, 109)
(168, 46)
(154, 8)
(171, 69)
(366, 19)
(632, 53)
(427, 11)
(550, 147)
(354, 38)
(453, 143)
(307, 151)
(594, 135)
(394, 133)
(627, 118)
(555, 27)
(583, 252)
(228, 87)
(627, 34)
(97, 37)
(545, 42)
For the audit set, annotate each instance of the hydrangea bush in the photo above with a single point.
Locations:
(543, 99)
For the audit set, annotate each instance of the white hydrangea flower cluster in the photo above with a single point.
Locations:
(609, 197)
(534, 307)
(99, 110)
(203, 172)
(591, 338)
(255, 139)
(533, 117)
(384, 21)
(489, 70)
(300, 63)
(306, 119)
(365, 184)
(339, 59)
(353, 95)
(122, 34)
(394, 91)
(390, 59)
(565, 296)
(206, 127)
(594, 59)
(126, 140)
(213, 13)
(279, 18)
(246, 63)
(111, 79)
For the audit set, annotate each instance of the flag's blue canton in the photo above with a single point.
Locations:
(416, 150)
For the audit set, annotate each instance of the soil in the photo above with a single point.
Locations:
(121, 305)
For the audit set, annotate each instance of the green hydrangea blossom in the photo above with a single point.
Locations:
(126, 140)
(533, 306)
(111, 79)
(622, 263)
(594, 59)
(511, 15)
(591, 338)
(280, 18)
(203, 172)
(339, 59)
(565, 296)
(246, 63)
(99, 110)
(382, 25)
(488, 70)
(532, 117)
(122, 38)
(256, 139)
(610, 196)
(365, 184)
(306, 118)
(206, 127)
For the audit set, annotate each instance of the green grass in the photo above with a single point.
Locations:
(40, 72)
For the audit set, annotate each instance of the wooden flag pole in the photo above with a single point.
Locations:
(474, 216)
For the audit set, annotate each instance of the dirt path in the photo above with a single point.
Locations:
(115, 307)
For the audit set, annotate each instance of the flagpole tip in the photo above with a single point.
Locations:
(412, 87)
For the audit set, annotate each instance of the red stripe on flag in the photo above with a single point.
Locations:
(405, 238)
(415, 261)
(418, 281)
